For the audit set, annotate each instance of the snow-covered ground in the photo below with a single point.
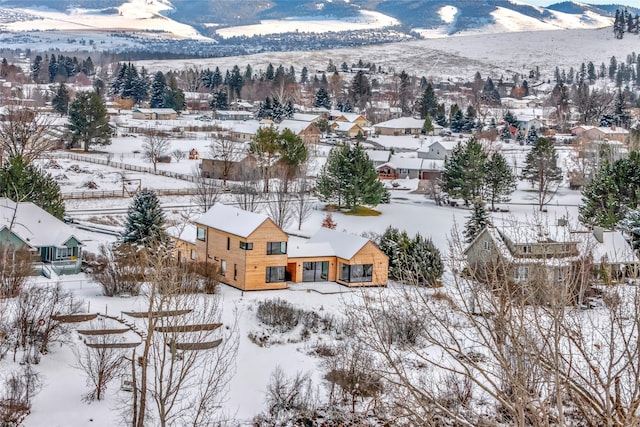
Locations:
(59, 403)
(452, 57)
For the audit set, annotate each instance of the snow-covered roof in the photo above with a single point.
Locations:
(34, 225)
(188, 232)
(296, 126)
(344, 126)
(614, 248)
(344, 245)
(378, 155)
(612, 130)
(397, 162)
(432, 164)
(305, 117)
(448, 145)
(249, 127)
(310, 250)
(404, 123)
(155, 110)
(232, 220)
(351, 117)
(521, 234)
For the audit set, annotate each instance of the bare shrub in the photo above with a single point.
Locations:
(15, 267)
(278, 314)
(118, 269)
(291, 400)
(16, 392)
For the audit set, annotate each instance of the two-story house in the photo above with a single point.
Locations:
(253, 253)
(249, 249)
(526, 254)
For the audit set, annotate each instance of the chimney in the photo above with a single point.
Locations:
(598, 233)
(613, 127)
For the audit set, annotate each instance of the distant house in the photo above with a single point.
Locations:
(233, 115)
(547, 254)
(378, 157)
(439, 150)
(400, 168)
(154, 114)
(185, 241)
(356, 118)
(242, 168)
(244, 131)
(347, 129)
(307, 117)
(307, 131)
(253, 253)
(612, 133)
(402, 126)
(54, 245)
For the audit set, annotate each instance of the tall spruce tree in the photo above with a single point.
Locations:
(499, 180)
(322, 99)
(60, 101)
(145, 223)
(428, 102)
(88, 120)
(158, 88)
(22, 181)
(542, 171)
(612, 193)
(349, 178)
(477, 222)
(464, 171)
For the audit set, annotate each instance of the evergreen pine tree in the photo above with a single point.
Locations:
(542, 171)
(506, 133)
(88, 120)
(464, 171)
(510, 119)
(532, 136)
(477, 222)
(322, 99)
(499, 181)
(425, 264)
(145, 221)
(630, 225)
(427, 126)
(428, 102)
(349, 178)
(60, 100)
(21, 181)
(158, 87)
(458, 121)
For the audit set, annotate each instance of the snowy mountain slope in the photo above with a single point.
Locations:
(211, 19)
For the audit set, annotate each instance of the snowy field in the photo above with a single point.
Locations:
(453, 57)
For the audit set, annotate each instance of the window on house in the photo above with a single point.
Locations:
(275, 274)
(223, 267)
(356, 273)
(276, 248)
(487, 245)
(247, 246)
(64, 253)
(235, 271)
(526, 249)
(560, 274)
(522, 272)
(228, 243)
(193, 254)
(202, 234)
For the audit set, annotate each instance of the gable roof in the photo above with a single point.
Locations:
(295, 126)
(232, 220)
(344, 245)
(404, 123)
(34, 225)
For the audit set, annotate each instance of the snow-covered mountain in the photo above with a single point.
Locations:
(204, 19)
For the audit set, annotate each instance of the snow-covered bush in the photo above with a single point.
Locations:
(278, 314)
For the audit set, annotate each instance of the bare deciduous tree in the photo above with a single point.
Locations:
(247, 193)
(227, 151)
(206, 192)
(280, 205)
(101, 364)
(188, 356)
(302, 197)
(24, 133)
(118, 269)
(178, 155)
(155, 146)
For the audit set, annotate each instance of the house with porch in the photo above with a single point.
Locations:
(400, 168)
(307, 131)
(253, 253)
(54, 245)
